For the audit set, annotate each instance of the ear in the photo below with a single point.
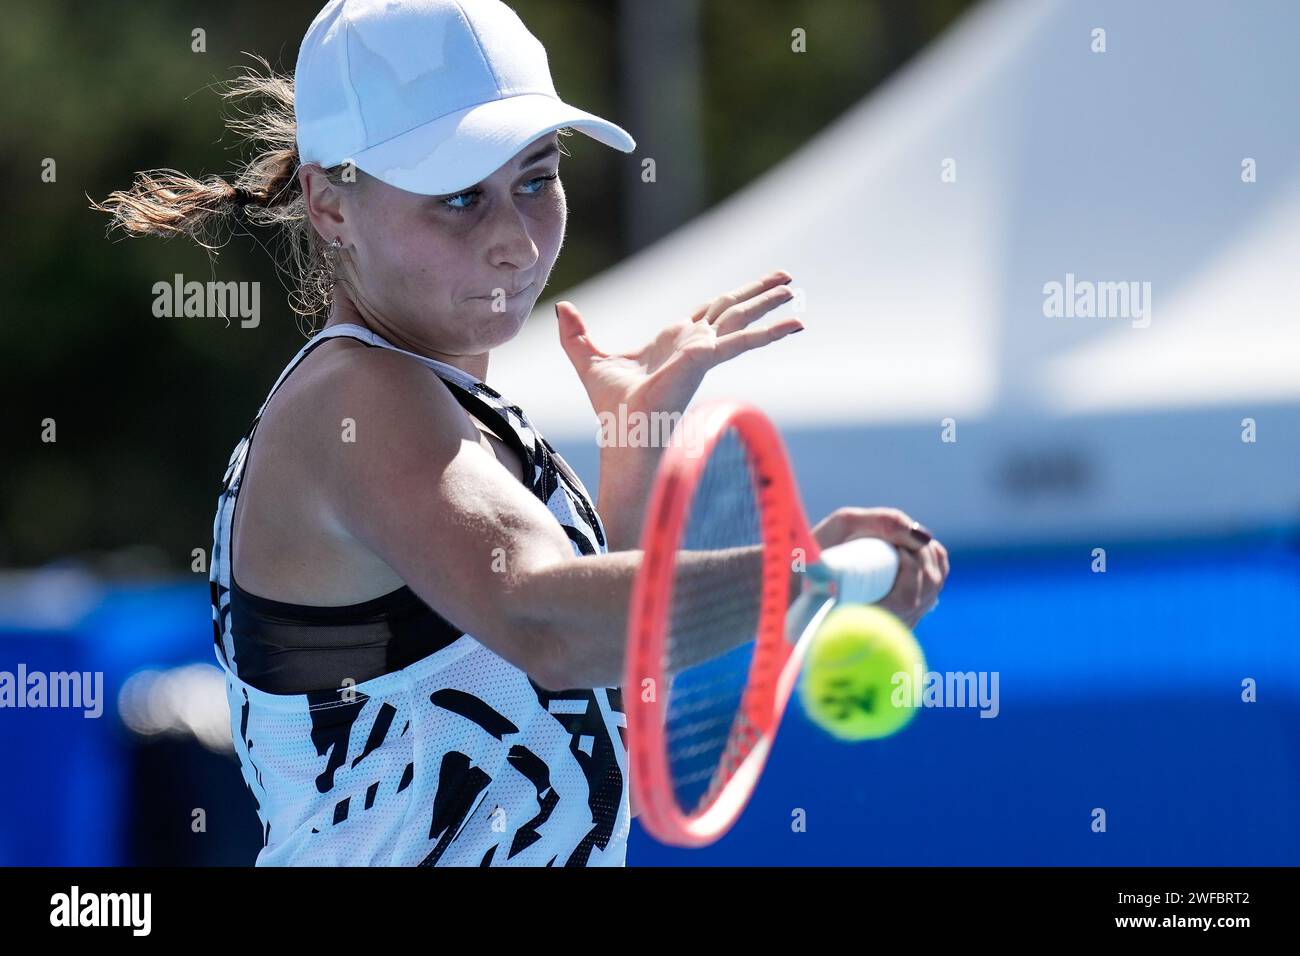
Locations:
(324, 204)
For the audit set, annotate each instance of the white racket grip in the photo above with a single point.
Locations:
(863, 569)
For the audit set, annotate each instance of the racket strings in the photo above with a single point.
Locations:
(713, 621)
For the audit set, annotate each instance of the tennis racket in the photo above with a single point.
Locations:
(731, 587)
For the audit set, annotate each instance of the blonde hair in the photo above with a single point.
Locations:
(265, 192)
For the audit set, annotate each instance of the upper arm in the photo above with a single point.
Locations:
(411, 482)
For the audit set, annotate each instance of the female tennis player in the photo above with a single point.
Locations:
(420, 611)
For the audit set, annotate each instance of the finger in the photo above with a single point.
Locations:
(906, 594)
(942, 554)
(892, 525)
(729, 346)
(931, 576)
(574, 338)
(744, 293)
(937, 558)
(745, 313)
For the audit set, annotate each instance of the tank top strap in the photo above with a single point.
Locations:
(235, 465)
(483, 401)
(542, 461)
(551, 479)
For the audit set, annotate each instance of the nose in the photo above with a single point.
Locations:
(510, 244)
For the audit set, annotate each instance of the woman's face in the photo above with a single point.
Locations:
(458, 274)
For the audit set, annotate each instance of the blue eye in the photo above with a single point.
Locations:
(450, 202)
(542, 181)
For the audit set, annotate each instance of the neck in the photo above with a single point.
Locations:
(345, 312)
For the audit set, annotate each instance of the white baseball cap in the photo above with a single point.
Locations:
(430, 96)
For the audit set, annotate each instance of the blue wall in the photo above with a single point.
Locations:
(1118, 690)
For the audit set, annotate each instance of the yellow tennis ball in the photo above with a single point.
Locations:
(848, 685)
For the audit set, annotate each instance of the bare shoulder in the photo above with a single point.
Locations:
(359, 394)
(356, 381)
(364, 414)
(398, 484)
(354, 427)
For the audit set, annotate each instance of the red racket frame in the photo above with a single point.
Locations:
(775, 663)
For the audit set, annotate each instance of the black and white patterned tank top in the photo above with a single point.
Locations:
(455, 759)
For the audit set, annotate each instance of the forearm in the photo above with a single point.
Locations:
(627, 476)
(577, 611)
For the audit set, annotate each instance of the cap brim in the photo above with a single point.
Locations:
(460, 150)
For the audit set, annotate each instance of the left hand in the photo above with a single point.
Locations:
(663, 375)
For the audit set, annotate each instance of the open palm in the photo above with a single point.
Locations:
(662, 375)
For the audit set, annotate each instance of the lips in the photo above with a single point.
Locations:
(509, 295)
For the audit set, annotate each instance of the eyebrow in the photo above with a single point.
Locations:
(547, 151)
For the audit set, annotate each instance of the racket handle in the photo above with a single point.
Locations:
(863, 569)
